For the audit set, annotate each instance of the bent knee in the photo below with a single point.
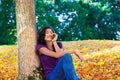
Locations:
(67, 57)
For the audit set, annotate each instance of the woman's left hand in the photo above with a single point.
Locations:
(78, 54)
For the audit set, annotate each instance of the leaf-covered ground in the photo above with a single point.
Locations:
(8, 62)
(102, 60)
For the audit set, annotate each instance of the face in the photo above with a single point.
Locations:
(48, 35)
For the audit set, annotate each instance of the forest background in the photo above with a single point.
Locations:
(71, 19)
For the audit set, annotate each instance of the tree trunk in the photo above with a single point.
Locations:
(27, 40)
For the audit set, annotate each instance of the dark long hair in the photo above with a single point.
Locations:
(41, 35)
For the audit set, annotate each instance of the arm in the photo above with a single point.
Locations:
(48, 52)
(57, 48)
(77, 53)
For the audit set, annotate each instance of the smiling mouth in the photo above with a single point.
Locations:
(50, 37)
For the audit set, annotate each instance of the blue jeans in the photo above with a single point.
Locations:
(64, 69)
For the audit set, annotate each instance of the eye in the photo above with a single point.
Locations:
(51, 32)
(46, 32)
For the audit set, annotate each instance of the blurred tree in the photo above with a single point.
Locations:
(79, 20)
(57, 2)
(71, 19)
(7, 22)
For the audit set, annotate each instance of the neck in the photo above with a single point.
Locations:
(49, 45)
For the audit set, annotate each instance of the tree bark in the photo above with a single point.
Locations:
(27, 40)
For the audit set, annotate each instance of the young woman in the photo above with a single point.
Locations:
(57, 64)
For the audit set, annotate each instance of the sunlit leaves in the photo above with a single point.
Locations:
(102, 59)
(8, 62)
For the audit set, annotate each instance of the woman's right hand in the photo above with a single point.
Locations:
(55, 37)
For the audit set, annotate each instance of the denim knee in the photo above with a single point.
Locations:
(67, 57)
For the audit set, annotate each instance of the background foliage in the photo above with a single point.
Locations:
(7, 22)
(71, 19)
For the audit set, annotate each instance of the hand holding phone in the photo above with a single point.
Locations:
(55, 37)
